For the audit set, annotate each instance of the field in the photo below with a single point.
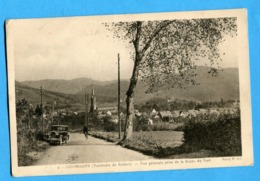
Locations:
(163, 136)
(167, 137)
(219, 136)
(155, 143)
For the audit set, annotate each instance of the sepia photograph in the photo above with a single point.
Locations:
(122, 93)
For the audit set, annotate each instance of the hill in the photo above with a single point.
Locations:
(34, 97)
(211, 88)
(64, 86)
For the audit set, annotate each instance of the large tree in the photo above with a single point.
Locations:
(165, 53)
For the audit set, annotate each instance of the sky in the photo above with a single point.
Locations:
(61, 48)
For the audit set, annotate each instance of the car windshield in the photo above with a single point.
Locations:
(59, 128)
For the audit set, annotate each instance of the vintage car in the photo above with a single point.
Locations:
(58, 134)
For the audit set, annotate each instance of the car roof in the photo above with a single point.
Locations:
(60, 125)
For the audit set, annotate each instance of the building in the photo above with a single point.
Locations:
(107, 108)
(153, 113)
(165, 116)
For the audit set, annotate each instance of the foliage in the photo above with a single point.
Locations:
(166, 50)
(73, 121)
(27, 132)
(167, 127)
(38, 110)
(162, 104)
(222, 135)
(25, 139)
(109, 125)
(165, 53)
(22, 106)
(141, 123)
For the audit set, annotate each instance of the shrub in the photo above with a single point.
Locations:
(222, 135)
(109, 126)
(167, 127)
(27, 133)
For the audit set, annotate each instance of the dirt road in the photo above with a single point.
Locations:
(82, 150)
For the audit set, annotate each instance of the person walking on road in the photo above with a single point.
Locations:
(85, 131)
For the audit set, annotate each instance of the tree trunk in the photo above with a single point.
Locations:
(130, 115)
(130, 111)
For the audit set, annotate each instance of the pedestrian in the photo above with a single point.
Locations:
(85, 131)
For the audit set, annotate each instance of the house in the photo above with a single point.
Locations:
(165, 116)
(157, 119)
(176, 114)
(193, 113)
(214, 111)
(203, 111)
(150, 121)
(184, 114)
(153, 113)
(108, 113)
(114, 119)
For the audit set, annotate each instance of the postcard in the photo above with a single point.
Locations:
(121, 93)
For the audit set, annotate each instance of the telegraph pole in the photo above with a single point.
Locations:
(42, 110)
(119, 120)
(87, 111)
(54, 103)
(52, 117)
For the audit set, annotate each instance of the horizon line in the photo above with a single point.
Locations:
(90, 78)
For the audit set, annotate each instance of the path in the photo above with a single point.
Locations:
(91, 150)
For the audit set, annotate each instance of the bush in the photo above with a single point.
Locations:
(108, 125)
(27, 133)
(167, 127)
(222, 135)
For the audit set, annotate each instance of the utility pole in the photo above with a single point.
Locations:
(52, 117)
(42, 110)
(119, 120)
(54, 103)
(87, 111)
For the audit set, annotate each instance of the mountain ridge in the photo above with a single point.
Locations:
(211, 88)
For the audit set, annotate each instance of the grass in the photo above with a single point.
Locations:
(167, 126)
(218, 136)
(29, 155)
(27, 145)
(155, 143)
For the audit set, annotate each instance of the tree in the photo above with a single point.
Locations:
(24, 111)
(165, 53)
(38, 110)
(22, 106)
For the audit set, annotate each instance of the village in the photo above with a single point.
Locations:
(149, 118)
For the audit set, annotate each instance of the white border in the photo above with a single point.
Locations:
(245, 103)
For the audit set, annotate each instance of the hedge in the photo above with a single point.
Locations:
(222, 135)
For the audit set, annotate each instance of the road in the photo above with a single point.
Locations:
(91, 150)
